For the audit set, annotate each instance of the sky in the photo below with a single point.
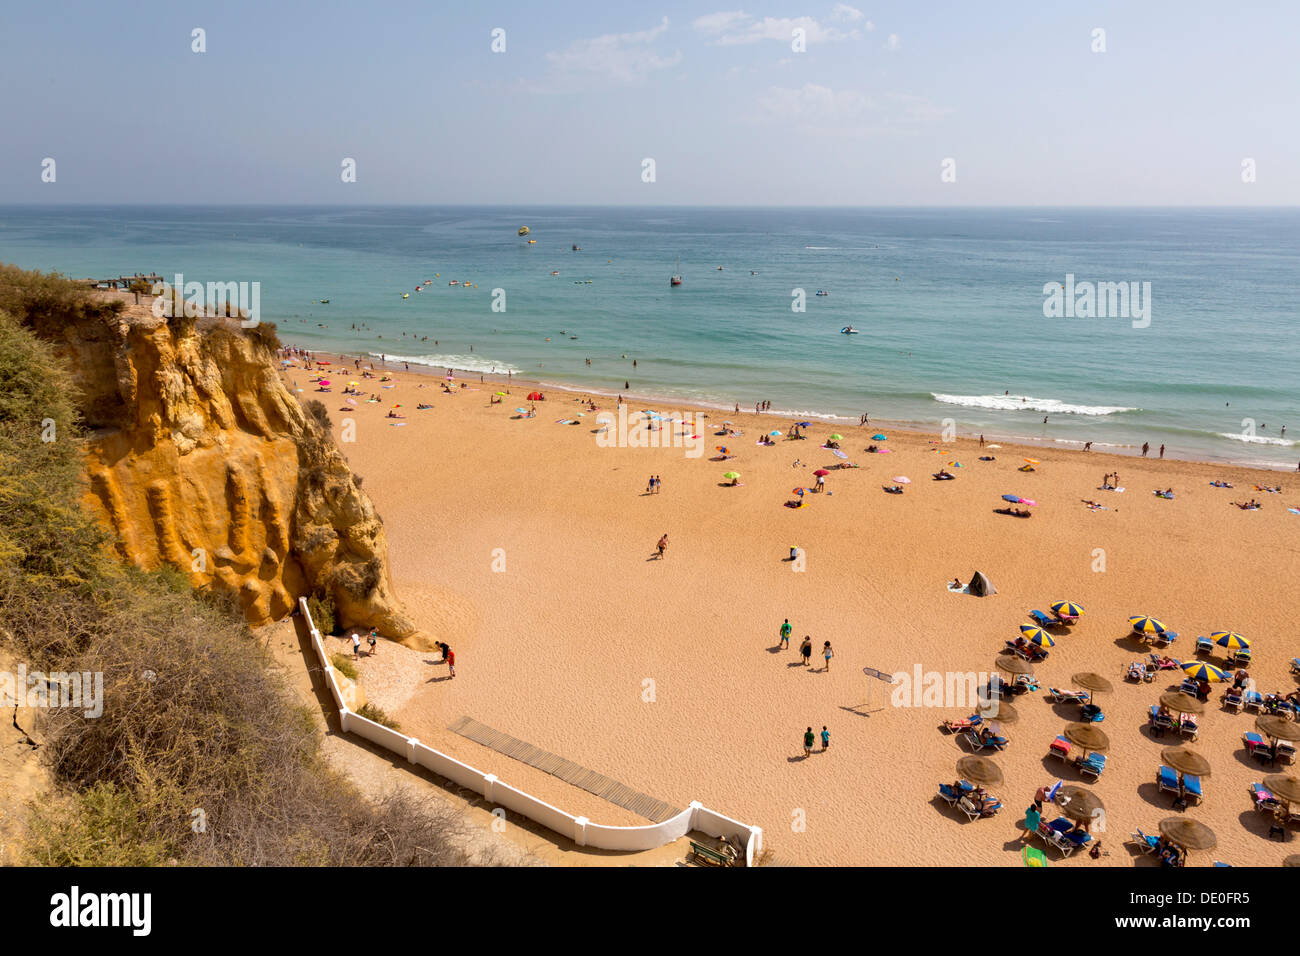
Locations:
(793, 102)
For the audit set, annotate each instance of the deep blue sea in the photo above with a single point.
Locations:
(950, 304)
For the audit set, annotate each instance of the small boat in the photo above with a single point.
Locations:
(577, 248)
(555, 273)
(406, 295)
(324, 301)
(821, 292)
(849, 330)
(454, 282)
(524, 230)
(677, 275)
(532, 242)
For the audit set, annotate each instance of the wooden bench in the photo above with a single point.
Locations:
(699, 850)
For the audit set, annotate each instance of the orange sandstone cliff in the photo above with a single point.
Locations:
(201, 459)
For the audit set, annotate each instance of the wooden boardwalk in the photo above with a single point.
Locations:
(616, 793)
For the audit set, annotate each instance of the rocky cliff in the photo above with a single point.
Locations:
(201, 459)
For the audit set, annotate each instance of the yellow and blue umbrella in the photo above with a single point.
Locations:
(1036, 635)
(1067, 609)
(1230, 639)
(1201, 671)
(1146, 625)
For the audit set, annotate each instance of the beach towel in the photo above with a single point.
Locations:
(1294, 511)
(963, 589)
(838, 454)
(397, 424)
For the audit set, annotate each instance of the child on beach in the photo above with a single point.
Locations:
(450, 656)
(827, 653)
(374, 634)
(826, 739)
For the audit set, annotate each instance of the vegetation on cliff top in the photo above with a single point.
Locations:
(201, 755)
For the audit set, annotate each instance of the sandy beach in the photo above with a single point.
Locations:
(531, 550)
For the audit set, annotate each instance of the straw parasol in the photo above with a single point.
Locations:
(1013, 665)
(1186, 760)
(1283, 786)
(1093, 682)
(1188, 834)
(996, 709)
(1292, 860)
(1087, 736)
(1077, 803)
(980, 770)
(1277, 727)
(1182, 703)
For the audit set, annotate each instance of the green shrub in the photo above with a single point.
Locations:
(345, 666)
(321, 609)
(376, 713)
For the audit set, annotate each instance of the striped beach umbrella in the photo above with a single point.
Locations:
(1146, 625)
(1036, 635)
(1230, 639)
(1198, 670)
(1067, 609)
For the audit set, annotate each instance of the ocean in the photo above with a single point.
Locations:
(950, 304)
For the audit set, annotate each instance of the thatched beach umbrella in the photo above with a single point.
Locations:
(1087, 736)
(1277, 727)
(1182, 703)
(1013, 665)
(1292, 860)
(1093, 682)
(1078, 804)
(1188, 834)
(998, 710)
(1283, 786)
(980, 770)
(1185, 760)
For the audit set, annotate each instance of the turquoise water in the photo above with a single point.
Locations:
(949, 304)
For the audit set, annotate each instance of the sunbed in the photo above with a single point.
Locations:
(1060, 748)
(1204, 645)
(1069, 696)
(1167, 781)
(1191, 787)
(1093, 765)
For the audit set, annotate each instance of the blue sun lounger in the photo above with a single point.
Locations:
(1167, 781)
(1043, 620)
(1204, 645)
(1147, 844)
(1192, 787)
(1093, 765)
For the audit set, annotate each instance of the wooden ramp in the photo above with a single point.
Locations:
(616, 793)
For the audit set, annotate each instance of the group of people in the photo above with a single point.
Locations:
(1109, 482)
(652, 487)
(806, 647)
(1146, 447)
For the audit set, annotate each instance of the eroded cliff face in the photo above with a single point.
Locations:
(201, 459)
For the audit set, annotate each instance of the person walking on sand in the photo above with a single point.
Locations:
(356, 646)
(808, 739)
(806, 650)
(1146, 446)
(451, 660)
(1033, 816)
(785, 633)
(827, 654)
(826, 739)
(663, 545)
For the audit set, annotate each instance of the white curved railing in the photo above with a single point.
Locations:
(579, 829)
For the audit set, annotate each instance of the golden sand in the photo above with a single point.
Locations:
(665, 675)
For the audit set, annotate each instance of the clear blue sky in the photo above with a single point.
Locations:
(712, 92)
